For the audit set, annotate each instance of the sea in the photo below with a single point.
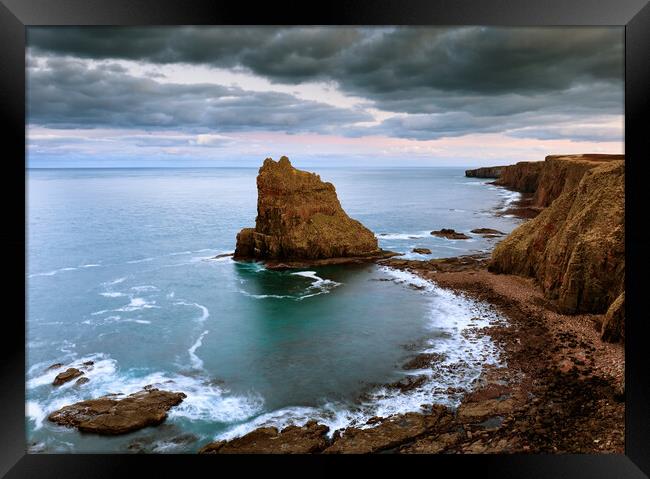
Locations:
(121, 271)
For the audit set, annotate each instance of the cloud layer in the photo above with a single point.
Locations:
(415, 83)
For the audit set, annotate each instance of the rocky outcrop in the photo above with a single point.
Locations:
(299, 219)
(310, 438)
(390, 433)
(523, 176)
(110, 416)
(485, 172)
(67, 375)
(613, 329)
(575, 248)
(421, 250)
(449, 234)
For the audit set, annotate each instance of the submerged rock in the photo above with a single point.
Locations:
(299, 219)
(310, 438)
(109, 416)
(67, 375)
(422, 250)
(449, 234)
(486, 231)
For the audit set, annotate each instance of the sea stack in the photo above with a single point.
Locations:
(300, 221)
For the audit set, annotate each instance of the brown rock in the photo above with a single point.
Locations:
(523, 176)
(390, 433)
(81, 381)
(434, 444)
(485, 172)
(449, 234)
(310, 438)
(471, 411)
(423, 360)
(109, 416)
(299, 218)
(67, 375)
(54, 366)
(486, 231)
(422, 250)
(575, 248)
(561, 173)
(613, 329)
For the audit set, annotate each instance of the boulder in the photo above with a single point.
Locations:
(422, 250)
(110, 416)
(300, 219)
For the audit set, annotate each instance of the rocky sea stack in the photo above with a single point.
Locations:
(300, 221)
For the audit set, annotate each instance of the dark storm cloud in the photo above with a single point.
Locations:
(450, 81)
(381, 62)
(67, 93)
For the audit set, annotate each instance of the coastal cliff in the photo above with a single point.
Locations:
(523, 176)
(575, 248)
(300, 219)
(486, 172)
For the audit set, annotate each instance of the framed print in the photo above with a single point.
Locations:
(379, 231)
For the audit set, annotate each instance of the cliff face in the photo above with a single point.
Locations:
(486, 172)
(563, 173)
(299, 217)
(523, 176)
(548, 179)
(575, 248)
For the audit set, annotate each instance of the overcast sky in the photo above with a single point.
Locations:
(229, 96)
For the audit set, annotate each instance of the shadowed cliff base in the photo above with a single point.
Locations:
(300, 222)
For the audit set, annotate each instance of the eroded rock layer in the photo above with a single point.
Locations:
(299, 218)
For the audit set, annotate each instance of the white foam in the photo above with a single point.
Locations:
(144, 260)
(137, 304)
(53, 272)
(112, 294)
(115, 281)
(455, 320)
(145, 288)
(197, 363)
(90, 265)
(205, 401)
(403, 236)
(205, 313)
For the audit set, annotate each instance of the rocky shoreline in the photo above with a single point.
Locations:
(561, 391)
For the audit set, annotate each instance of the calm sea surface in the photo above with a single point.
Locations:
(119, 272)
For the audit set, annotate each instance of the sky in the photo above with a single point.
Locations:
(326, 96)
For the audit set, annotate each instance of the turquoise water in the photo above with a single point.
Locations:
(120, 272)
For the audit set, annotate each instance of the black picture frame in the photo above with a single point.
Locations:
(16, 15)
